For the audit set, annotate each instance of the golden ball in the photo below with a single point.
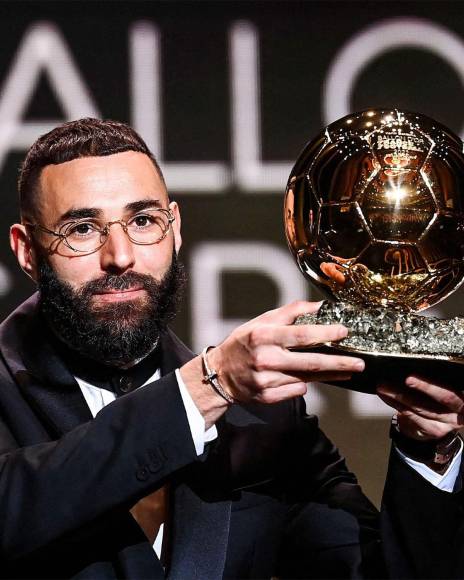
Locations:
(374, 210)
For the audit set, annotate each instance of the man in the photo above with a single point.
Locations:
(123, 455)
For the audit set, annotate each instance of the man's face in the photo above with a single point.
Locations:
(106, 186)
(120, 287)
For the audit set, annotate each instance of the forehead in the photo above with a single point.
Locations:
(108, 183)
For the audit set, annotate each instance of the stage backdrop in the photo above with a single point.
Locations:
(227, 94)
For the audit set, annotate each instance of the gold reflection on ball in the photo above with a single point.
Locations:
(374, 210)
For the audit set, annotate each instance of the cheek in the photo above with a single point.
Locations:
(76, 271)
(153, 262)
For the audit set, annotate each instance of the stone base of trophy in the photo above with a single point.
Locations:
(394, 344)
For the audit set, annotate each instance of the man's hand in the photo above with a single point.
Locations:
(255, 363)
(426, 410)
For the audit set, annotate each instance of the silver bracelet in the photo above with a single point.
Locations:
(211, 377)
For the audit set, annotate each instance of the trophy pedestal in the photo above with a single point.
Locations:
(394, 345)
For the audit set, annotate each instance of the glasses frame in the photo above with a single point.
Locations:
(105, 231)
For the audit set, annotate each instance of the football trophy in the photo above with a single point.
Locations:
(374, 217)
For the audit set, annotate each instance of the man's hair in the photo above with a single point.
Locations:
(73, 140)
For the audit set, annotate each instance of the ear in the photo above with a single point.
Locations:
(176, 225)
(21, 244)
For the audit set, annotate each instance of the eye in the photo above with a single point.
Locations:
(143, 220)
(148, 221)
(80, 229)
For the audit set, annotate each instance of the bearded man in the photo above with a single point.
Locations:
(123, 455)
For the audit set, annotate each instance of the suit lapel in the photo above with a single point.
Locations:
(61, 407)
(174, 353)
(41, 375)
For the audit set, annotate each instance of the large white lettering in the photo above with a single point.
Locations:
(376, 40)
(146, 83)
(250, 173)
(42, 50)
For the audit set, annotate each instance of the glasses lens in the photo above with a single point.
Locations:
(148, 227)
(84, 236)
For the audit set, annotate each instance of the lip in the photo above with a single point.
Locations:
(111, 295)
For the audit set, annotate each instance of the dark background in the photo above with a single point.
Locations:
(298, 45)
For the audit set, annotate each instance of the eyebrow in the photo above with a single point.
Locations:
(136, 206)
(77, 213)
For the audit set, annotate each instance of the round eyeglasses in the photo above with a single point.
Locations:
(87, 235)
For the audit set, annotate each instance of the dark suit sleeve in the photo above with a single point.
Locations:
(316, 470)
(421, 524)
(52, 489)
(333, 529)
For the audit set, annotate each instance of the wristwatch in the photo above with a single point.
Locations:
(435, 453)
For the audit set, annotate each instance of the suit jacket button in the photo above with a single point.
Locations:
(155, 465)
(142, 474)
(125, 384)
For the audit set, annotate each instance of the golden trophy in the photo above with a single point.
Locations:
(374, 218)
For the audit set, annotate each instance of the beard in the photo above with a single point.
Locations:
(116, 334)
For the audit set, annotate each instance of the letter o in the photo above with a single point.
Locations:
(377, 39)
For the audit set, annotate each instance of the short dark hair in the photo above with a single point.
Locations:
(82, 138)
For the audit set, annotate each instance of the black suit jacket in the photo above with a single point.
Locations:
(423, 524)
(271, 495)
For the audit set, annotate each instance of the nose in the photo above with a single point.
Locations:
(117, 254)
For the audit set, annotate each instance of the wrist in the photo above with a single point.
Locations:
(211, 377)
(437, 454)
(208, 402)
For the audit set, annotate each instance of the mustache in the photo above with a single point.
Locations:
(117, 282)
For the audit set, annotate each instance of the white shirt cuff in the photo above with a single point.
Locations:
(445, 482)
(200, 436)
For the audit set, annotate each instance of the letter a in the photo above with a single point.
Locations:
(43, 49)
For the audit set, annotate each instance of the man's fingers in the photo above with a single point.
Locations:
(331, 377)
(300, 335)
(450, 399)
(419, 428)
(281, 393)
(306, 364)
(271, 380)
(287, 314)
(316, 363)
(322, 377)
(418, 403)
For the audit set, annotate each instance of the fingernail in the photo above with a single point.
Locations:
(342, 332)
(359, 365)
